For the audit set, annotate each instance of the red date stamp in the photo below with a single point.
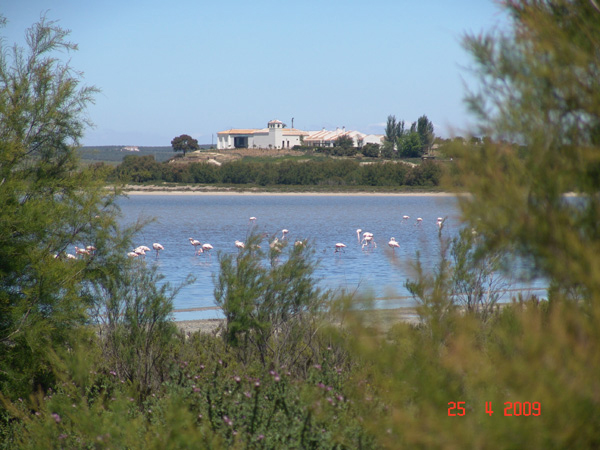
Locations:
(459, 406)
(510, 408)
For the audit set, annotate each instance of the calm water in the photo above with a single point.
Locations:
(325, 220)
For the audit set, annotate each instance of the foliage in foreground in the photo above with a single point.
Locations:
(47, 206)
(397, 387)
(540, 88)
(271, 304)
(210, 400)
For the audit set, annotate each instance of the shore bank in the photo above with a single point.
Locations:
(382, 318)
(193, 190)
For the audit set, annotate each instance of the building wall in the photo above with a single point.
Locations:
(373, 139)
(223, 142)
(291, 140)
(261, 140)
(275, 136)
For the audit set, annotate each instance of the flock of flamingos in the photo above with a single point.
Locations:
(365, 239)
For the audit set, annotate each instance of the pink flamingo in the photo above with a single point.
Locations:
(405, 217)
(156, 246)
(419, 220)
(207, 248)
(81, 251)
(239, 244)
(276, 245)
(283, 233)
(368, 239)
(393, 244)
(358, 231)
(252, 219)
(132, 254)
(339, 247)
(196, 243)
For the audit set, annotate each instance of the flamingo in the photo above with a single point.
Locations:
(156, 246)
(207, 248)
(393, 244)
(90, 248)
(419, 220)
(405, 217)
(283, 233)
(239, 244)
(358, 231)
(339, 247)
(368, 239)
(71, 256)
(81, 251)
(131, 254)
(300, 243)
(276, 245)
(196, 243)
(140, 251)
(252, 219)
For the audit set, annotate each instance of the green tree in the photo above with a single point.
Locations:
(344, 146)
(271, 310)
(184, 143)
(390, 129)
(425, 131)
(540, 103)
(139, 169)
(47, 207)
(410, 145)
(344, 141)
(540, 88)
(394, 131)
(371, 150)
(136, 330)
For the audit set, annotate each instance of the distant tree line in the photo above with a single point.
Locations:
(334, 172)
(400, 141)
(412, 142)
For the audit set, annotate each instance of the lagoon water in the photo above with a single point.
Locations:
(323, 219)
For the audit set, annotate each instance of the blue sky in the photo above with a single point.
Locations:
(167, 68)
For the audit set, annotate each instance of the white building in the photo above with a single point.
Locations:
(274, 136)
(326, 138)
(373, 139)
(277, 136)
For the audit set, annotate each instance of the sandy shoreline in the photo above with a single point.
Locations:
(383, 318)
(153, 190)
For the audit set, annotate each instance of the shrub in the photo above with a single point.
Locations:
(271, 309)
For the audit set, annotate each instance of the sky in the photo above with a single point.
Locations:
(197, 67)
